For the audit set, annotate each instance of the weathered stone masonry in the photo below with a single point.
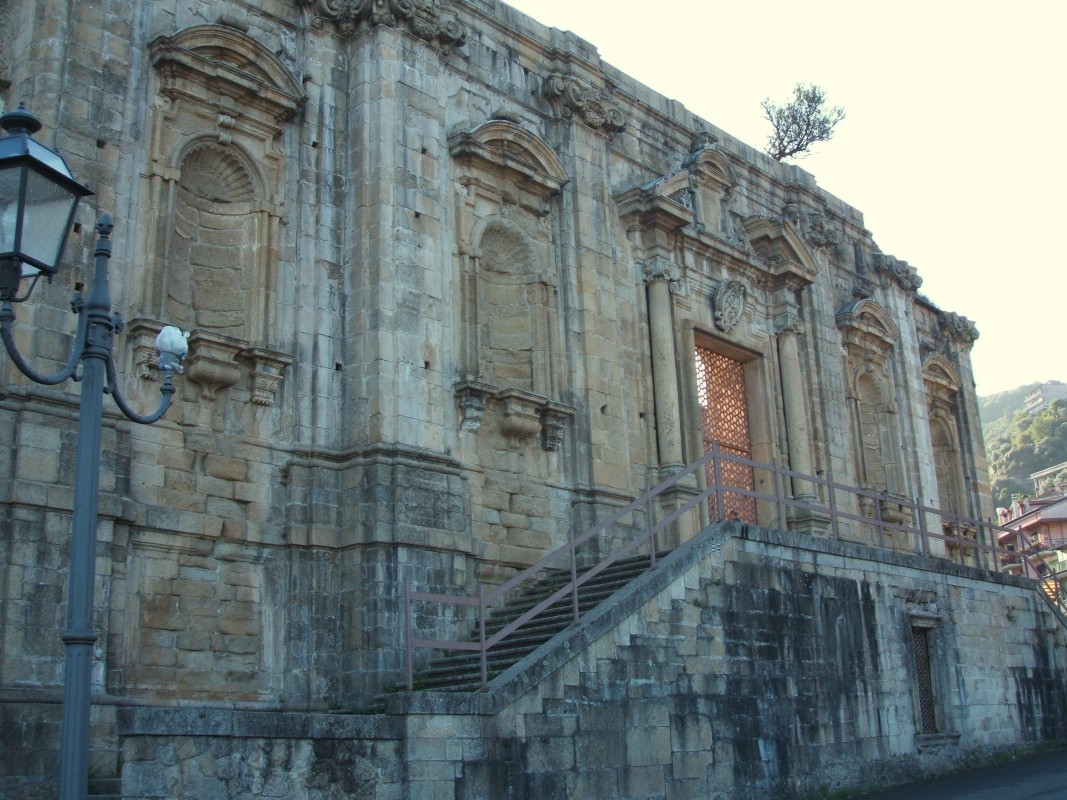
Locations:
(448, 275)
(755, 664)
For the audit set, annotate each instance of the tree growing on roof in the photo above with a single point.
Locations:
(800, 123)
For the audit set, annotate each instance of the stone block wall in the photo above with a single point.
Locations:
(244, 754)
(774, 667)
(749, 663)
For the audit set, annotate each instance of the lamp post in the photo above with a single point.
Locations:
(38, 199)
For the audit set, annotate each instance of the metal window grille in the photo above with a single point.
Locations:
(923, 679)
(724, 421)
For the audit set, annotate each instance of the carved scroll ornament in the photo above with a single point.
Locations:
(820, 231)
(958, 328)
(570, 97)
(905, 275)
(422, 16)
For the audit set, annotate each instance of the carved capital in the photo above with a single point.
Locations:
(570, 97)
(421, 17)
(788, 323)
(658, 268)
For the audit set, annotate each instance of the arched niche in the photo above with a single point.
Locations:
(212, 261)
(869, 336)
(516, 305)
(507, 181)
(942, 383)
(213, 210)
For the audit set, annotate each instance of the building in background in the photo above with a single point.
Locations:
(1035, 537)
(457, 290)
(1042, 394)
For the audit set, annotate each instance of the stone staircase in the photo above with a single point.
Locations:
(460, 671)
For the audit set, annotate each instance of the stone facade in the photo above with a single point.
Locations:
(446, 274)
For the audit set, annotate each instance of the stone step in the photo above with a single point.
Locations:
(461, 670)
(600, 586)
(594, 591)
(589, 598)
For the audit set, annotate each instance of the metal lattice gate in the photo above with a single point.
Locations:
(924, 679)
(724, 421)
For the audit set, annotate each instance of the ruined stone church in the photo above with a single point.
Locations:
(459, 292)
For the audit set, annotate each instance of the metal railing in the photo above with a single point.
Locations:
(889, 515)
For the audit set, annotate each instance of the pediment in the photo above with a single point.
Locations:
(711, 168)
(864, 321)
(504, 145)
(241, 73)
(782, 249)
(939, 372)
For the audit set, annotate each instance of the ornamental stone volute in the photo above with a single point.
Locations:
(422, 17)
(905, 275)
(959, 328)
(570, 97)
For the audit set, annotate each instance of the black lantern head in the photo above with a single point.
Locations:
(38, 198)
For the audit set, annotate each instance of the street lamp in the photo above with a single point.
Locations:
(38, 200)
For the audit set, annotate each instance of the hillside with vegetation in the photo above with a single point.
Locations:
(1019, 443)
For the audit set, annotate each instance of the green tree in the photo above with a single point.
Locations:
(1031, 443)
(800, 123)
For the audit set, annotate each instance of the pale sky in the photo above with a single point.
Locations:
(950, 147)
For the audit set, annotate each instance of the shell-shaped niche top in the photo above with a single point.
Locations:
(216, 174)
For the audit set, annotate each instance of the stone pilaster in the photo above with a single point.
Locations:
(789, 328)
